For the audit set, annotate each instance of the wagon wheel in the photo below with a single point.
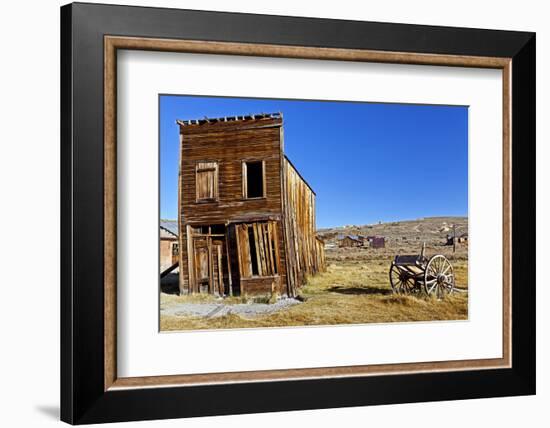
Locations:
(401, 282)
(439, 277)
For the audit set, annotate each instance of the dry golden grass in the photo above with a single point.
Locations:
(355, 289)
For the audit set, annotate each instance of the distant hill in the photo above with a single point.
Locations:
(432, 230)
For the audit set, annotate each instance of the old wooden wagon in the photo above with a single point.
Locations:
(246, 215)
(416, 273)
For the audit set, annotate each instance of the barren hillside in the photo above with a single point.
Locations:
(432, 230)
(406, 236)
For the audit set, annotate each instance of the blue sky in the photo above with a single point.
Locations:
(367, 162)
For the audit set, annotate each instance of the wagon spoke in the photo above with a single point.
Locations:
(437, 277)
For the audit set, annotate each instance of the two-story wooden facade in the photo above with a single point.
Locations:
(246, 216)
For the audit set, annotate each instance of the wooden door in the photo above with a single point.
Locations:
(209, 265)
(202, 265)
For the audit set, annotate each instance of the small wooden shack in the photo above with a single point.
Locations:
(376, 241)
(462, 239)
(350, 241)
(169, 246)
(246, 215)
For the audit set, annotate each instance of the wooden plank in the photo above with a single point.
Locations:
(269, 227)
(269, 246)
(238, 238)
(210, 267)
(276, 243)
(245, 264)
(190, 259)
(229, 276)
(265, 235)
(254, 227)
(244, 180)
(264, 182)
(219, 270)
(261, 243)
(265, 254)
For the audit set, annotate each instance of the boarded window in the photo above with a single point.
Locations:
(207, 181)
(258, 249)
(253, 179)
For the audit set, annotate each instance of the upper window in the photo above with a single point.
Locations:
(254, 179)
(207, 181)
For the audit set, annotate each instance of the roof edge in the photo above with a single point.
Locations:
(299, 174)
(238, 118)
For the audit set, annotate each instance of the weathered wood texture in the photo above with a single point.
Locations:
(223, 147)
(320, 255)
(260, 285)
(348, 241)
(300, 231)
(258, 249)
(168, 254)
(230, 149)
(213, 191)
(168, 251)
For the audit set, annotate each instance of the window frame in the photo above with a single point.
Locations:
(244, 169)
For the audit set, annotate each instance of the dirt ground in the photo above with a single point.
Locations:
(355, 289)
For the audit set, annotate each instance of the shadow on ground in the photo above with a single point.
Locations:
(49, 411)
(356, 291)
(170, 284)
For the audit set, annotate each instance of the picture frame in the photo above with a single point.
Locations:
(91, 391)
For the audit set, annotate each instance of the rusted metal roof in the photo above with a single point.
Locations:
(170, 226)
(357, 238)
(209, 120)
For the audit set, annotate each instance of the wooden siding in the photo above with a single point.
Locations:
(264, 256)
(229, 144)
(300, 230)
(282, 222)
(166, 256)
(350, 242)
(230, 150)
(260, 286)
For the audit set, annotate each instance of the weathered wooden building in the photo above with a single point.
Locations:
(350, 241)
(462, 239)
(376, 241)
(169, 245)
(246, 215)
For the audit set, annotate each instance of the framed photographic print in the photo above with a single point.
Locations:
(265, 213)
